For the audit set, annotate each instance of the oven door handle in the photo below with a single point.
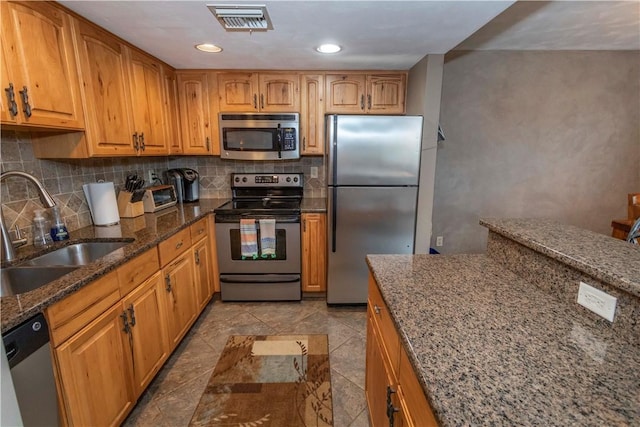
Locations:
(262, 278)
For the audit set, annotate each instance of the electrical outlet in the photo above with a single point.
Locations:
(439, 241)
(599, 302)
(151, 175)
(314, 171)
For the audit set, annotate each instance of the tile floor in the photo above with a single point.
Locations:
(173, 395)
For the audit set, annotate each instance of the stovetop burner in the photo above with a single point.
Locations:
(264, 194)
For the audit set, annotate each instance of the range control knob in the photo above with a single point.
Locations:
(288, 179)
(244, 179)
(295, 179)
(237, 179)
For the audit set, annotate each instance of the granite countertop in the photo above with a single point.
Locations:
(146, 231)
(611, 260)
(491, 349)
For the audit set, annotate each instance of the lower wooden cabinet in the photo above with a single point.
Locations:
(180, 297)
(393, 393)
(314, 252)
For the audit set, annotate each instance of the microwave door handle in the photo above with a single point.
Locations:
(279, 141)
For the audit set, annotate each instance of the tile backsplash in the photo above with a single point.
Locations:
(64, 178)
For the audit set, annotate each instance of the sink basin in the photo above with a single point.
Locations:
(76, 255)
(18, 280)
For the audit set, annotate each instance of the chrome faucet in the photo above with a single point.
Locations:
(8, 251)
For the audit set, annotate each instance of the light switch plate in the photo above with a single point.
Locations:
(597, 301)
(314, 171)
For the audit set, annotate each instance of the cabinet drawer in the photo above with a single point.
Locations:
(174, 246)
(78, 309)
(382, 318)
(418, 411)
(138, 270)
(199, 230)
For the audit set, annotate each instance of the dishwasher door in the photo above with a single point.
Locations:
(29, 355)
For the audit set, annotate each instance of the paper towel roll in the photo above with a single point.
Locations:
(101, 198)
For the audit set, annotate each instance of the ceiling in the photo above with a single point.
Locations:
(381, 35)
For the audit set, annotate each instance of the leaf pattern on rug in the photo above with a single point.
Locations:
(321, 402)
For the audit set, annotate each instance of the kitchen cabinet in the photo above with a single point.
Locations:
(147, 105)
(394, 395)
(314, 252)
(172, 110)
(312, 114)
(39, 67)
(180, 288)
(266, 92)
(203, 262)
(198, 123)
(357, 93)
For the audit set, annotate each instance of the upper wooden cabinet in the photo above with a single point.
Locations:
(171, 110)
(356, 93)
(39, 75)
(267, 92)
(147, 104)
(312, 115)
(198, 126)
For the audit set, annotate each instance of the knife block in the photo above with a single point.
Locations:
(126, 209)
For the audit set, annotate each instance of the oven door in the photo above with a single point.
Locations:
(230, 261)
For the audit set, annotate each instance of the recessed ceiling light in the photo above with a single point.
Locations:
(328, 48)
(208, 47)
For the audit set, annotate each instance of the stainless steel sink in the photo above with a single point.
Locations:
(77, 254)
(18, 280)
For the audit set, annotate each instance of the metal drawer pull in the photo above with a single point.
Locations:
(167, 281)
(11, 97)
(25, 101)
(179, 245)
(376, 309)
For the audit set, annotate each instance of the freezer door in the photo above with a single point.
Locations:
(373, 150)
(365, 220)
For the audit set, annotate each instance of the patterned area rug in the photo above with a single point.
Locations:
(275, 380)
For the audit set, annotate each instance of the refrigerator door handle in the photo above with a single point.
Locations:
(334, 217)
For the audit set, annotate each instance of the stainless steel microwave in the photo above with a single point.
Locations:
(259, 136)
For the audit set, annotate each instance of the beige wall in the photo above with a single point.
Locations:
(536, 134)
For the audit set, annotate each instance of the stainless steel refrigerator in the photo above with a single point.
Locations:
(373, 165)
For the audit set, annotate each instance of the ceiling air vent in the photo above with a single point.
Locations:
(242, 17)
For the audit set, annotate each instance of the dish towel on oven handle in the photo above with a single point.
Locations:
(248, 239)
(268, 238)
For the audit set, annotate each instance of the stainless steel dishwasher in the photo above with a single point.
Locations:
(29, 355)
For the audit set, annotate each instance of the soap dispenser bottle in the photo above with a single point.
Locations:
(41, 235)
(58, 228)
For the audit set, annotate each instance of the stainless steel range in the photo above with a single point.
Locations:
(257, 261)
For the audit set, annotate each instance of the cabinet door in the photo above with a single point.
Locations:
(103, 65)
(8, 97)
(147, 104)
(314, 252)
(202, 261)
(279, 92)
(194, 113)
(180, 297)
(148, 340)
(41, 62)
(386, 93)
(94, 372)
(238, 92)
(345, 93)
(171, 111)
(312, 114)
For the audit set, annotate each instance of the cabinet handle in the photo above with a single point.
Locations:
(207, 142)
(132, 314)
(390, 408)
(25, 101)
(142, 141)
(197, 256)
(255, 101)
(304, 143)
(11, 97)
(261, 101)
(135, 141)
(125, 322)
(368, 102)
(167, 281)
(304, 225)
(376, 309)
(179, 244)
(362, 102)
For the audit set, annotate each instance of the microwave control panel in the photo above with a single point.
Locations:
(289, 139)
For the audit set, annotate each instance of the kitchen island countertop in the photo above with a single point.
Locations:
(491, 348)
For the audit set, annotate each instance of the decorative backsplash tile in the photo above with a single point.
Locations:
(64, 178)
